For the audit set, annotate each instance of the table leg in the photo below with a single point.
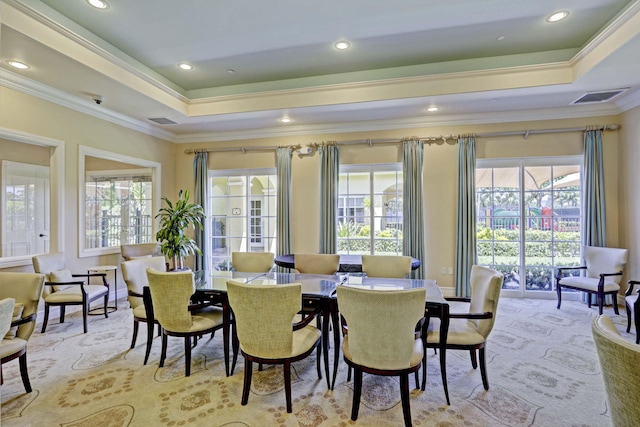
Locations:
(226, 324)
(444, 330)
(336, 340)
(326, 314)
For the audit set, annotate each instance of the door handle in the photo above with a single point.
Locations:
(42, 235)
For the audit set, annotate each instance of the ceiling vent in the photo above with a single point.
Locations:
(597, 97)
(163, 121)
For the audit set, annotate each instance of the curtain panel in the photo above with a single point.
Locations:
(201, 190)
(283, 212)
(329, 174)
(466, 254)
(595, 221)
(412, 217)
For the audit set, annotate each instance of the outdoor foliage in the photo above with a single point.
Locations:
(354, 238)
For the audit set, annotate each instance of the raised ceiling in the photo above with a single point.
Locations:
(478, 61)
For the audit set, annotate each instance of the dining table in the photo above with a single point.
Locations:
(349, 263)
(319, 292)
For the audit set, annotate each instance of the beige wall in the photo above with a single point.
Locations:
(629, 207)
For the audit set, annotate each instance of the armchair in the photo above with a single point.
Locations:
(62, 288)
(253, 262)
(388, 266)
(26, 290)
(139, 250)
(632, 303)
(316, 263)
(6, 317)
(604, 267)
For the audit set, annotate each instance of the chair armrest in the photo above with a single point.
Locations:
(631, 284)
(461, 299)
(561, 269)
(24, 320)
(199, 305)
(88, 275)
(134, 294)
(80, 283)
(603, 275)
(307, 319)
(485, 315)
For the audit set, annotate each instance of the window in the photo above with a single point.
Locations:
(242, 214)
(117, 200)
(529, 219)
(370, 209)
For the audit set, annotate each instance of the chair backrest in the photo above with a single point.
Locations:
(252, 262)
(485, 292)
(6, 315)
(53, 266)
(26, 289)
(619, 361)
(171, 294)
(265, 328)
(316, 263)
(137, 250)
(134, 273)
(604, 260)
(381, 324)
(389, 266)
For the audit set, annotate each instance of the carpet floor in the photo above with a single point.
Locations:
(542, 365)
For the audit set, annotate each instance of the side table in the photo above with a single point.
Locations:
(105, 269)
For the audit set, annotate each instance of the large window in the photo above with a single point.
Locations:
(370, 209)
(242, 214)
(528, 220)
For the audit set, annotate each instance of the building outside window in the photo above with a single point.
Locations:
(370, 209)
(242, 214)
(529, 220)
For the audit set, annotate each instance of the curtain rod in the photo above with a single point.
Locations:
(525, 134)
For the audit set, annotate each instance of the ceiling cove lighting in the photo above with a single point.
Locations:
(432, 109)
(342, 45)
(17, 64)
(98, 4)
(285, 120)
(185, 66)
(557, 16)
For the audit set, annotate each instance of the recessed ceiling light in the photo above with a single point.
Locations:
(285, 120)
(98, 4)
(557, 16)
(17, 64)
(342, 45)
(185, 66)
(231, 71)
(432, 109)
(500, 38)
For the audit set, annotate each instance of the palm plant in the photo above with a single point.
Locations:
(175, 219)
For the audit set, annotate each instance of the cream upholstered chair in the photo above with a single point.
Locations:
(469, 331)
(252, 262)
(619, 361)
(26, 290)
(316, 263)
(389, 266)
(381, 337)
(6, 317)
(62, 288)
(266, 333)
(632, 305)
(134, 273)
(139, 250)
(171, 302)
(603, 268)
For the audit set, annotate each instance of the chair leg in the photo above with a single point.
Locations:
(24, 372)
(46, 318)
(187, 356)
(149, 341)
(106, 301)
(85, 317)
(404, 397)
(559, 293)
(135, 334)
(474, 360)
(628, 309)
(163, 353)
(248, 371)
(287, 384)
(62, 311)
(483, 369)
(614, 299)
(357, 391)
(318, 357)
(600, 301)
(348, 373)
(636, 320)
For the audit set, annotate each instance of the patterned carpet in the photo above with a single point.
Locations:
(542, 364)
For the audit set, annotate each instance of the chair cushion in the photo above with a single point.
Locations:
(139, 312)
(74, 294)
(204, 321)
(416, 357)
(304, 339)
(17, 314)
(9, 347)
(461, 332)
(589, 283)
(210, 312)
(61, 276)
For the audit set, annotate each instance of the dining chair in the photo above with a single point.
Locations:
(604, 267)
(469, 331)
(63, 288)
(619, 360)
(170, 298)
(266, 332)
(134, 273)
(316, 263)
(139, 250)
(6, 317)
(252, 262)
(381, 337)
(632, 306)
(26, 290)
(387, 266)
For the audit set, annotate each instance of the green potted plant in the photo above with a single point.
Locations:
(175, 219)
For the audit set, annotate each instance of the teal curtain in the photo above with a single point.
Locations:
(595, 221)
(200, 173)
(329, 174)
(283, 177)
(466, 254)
(412, 218)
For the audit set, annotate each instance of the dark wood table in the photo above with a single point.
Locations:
(348, 263)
